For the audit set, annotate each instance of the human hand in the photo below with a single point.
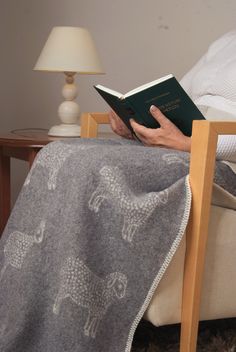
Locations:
(167, 136)
(118, 126)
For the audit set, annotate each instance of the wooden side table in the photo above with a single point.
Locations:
(23, 145)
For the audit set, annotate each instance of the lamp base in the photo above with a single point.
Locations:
(65, 130)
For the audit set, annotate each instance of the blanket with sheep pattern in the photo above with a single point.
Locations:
(90, 236)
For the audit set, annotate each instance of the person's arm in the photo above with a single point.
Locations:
(118, 126)
(167, 136)
(187, 82)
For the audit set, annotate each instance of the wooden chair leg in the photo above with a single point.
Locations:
(202, 166)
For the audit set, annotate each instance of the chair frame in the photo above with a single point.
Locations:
(201, 173)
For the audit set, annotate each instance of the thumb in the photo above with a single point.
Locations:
(158, 116)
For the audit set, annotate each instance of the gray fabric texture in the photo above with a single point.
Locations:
(90, 236)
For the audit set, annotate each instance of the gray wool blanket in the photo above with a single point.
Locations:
(92, 232)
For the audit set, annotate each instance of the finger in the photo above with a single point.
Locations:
(115, 122)
(112, 115)
(148, 142)
(159, 116)
(112, 122)
(144, 135)
(149, 136)
(141, 139)
(140, 129)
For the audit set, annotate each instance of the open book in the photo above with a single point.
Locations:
(166, 93)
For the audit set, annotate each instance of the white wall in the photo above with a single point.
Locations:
(137, 40)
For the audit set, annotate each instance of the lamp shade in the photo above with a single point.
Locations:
(69, 49)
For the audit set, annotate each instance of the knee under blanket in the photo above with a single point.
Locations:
(90, 236)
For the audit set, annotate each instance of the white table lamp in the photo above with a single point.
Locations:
(70, 50)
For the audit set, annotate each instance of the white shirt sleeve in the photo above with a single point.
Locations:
(226, 148)
(187, 80)
(211, 84)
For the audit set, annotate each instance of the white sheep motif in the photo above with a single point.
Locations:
(18, 245)
(135, 209)
(89, 291)
(172, 159)
(53, 157)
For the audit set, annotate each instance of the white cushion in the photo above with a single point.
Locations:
(219, 284)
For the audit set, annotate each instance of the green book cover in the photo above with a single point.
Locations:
(166, 93)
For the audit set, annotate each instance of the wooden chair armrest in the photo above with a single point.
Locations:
(90, 122)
